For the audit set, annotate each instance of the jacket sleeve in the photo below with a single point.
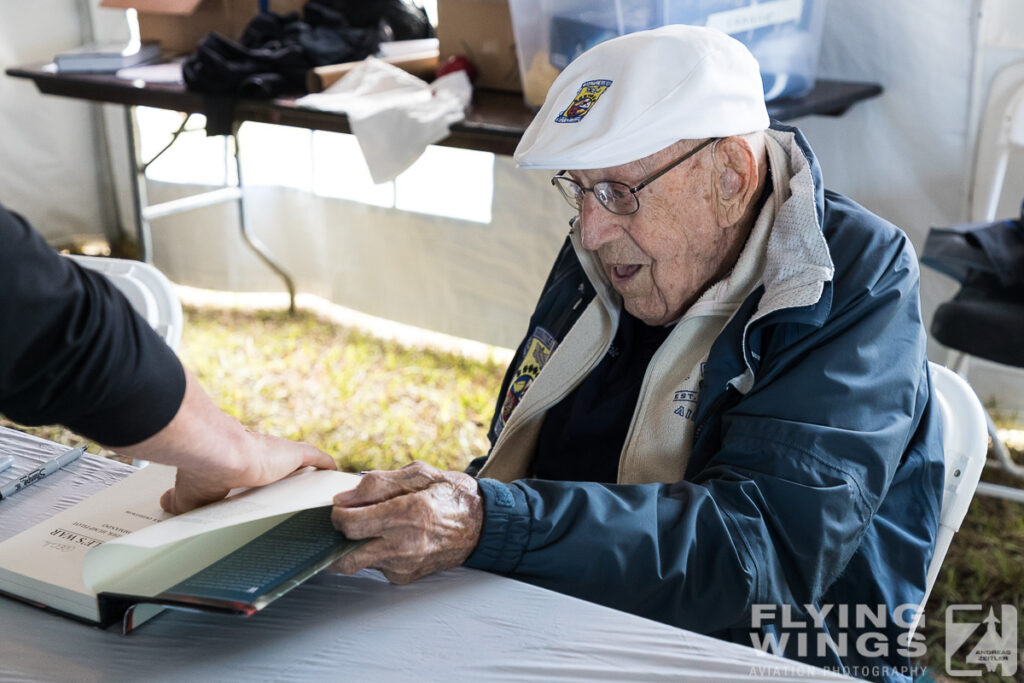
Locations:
(804, 460)
(72, 349)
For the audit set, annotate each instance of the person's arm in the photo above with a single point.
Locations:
(74, 352)
(214, 453)
(72, 349)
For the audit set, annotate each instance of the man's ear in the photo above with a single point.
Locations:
(735, 178)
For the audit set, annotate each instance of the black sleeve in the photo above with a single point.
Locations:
(72, 349)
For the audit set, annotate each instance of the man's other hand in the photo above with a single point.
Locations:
(421, 520)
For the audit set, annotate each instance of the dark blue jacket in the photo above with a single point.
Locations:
(817, 487)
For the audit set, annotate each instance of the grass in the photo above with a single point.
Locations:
(369, 403)
(984, 566)
(375, 404)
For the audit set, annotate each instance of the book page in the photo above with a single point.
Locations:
(146, 572)
(308, 488)
(267, 567)
(155, 558)
(112, 541)
(44, 563)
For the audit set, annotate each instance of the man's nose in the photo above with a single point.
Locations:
(598, 226)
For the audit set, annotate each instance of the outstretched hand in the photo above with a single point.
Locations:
(265, 460)
(421, 520)
(214, 453)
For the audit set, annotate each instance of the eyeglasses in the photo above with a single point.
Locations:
(619, 198)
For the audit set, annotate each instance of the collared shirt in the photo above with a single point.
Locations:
(584, 433)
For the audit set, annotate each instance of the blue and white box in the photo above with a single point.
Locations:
(784, 35)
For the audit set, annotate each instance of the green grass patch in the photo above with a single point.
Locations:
(371, 404)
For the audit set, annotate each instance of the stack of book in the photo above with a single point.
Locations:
(107, 57)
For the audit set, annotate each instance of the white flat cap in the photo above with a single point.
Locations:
(634, 95)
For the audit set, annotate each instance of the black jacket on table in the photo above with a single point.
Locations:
(72, 349)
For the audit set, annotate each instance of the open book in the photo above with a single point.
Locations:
(117, 557)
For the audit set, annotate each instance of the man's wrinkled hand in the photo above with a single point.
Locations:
(421, 520)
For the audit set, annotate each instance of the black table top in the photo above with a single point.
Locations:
(495, 120)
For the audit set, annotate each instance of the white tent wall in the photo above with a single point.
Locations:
(458, 277)
(55, 157)
(1000, 48)
(905, 155)
(910, 154)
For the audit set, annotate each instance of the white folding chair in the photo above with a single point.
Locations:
(1000, 140)
(148, 290)
(964, 445)
(1000, 136)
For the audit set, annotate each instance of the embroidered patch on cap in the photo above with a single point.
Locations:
(583, 102)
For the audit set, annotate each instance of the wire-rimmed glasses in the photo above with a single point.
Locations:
(619, 198)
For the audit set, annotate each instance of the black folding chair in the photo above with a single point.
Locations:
(986, 317)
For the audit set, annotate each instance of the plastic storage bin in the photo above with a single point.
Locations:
(784, 35)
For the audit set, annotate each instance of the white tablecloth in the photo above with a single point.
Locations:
(457, 625)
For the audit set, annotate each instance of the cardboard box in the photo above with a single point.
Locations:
(179, 25)
(419, 64)
(481, 30)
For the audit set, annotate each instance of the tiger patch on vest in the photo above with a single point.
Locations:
(538, 351)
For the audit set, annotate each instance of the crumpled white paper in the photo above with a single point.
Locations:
(393, 114)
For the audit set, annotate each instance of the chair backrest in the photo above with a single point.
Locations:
(964, 446)
(148, 290)
(1001, 131)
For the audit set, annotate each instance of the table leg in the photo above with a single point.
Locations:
(143, 212)
(143, 239)
(255, 244)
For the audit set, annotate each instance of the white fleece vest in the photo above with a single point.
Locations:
(660, 437)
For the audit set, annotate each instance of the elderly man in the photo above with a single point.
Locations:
(720, 416)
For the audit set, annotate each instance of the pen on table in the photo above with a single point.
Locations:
(6, 462)
(48, 467)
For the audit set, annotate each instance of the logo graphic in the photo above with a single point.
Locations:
(685, 396)
(997, 646)
(583, 102)
(840, 630)
(688, 396)
(538, 350)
